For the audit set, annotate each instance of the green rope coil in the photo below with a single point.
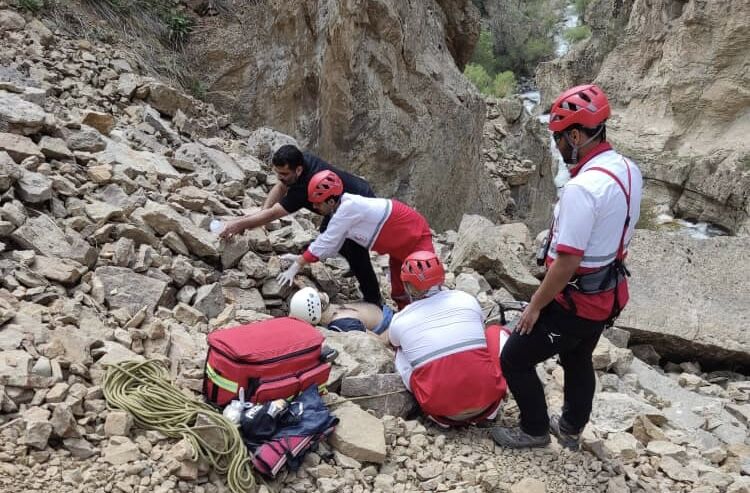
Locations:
(145, 390)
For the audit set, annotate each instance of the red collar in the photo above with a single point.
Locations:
(600, 147)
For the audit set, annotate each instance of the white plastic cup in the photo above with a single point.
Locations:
(216, 226)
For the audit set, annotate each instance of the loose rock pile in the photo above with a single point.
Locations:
(108, 181)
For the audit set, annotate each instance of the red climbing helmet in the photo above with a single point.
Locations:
(423, 270)
(585, 105)
(323, 185)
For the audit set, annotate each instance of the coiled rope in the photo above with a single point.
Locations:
(145, 390)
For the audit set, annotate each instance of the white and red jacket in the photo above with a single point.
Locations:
(589, 220)
(443, 355)
(384, 225)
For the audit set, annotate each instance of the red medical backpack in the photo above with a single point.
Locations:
(271, 359)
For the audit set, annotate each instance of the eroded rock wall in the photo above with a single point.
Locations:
(681, 108)
(375, 87)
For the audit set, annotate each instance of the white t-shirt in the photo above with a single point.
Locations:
(357, 218)
(590, 215)
(446, 323)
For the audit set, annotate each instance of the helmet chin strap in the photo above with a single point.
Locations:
(574, 152)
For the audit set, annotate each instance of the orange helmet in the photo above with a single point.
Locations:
(585, 105)
(423, 270)
(323, 185)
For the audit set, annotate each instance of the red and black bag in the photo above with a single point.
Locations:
(271, 359)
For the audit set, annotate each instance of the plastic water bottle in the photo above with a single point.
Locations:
(216, 226)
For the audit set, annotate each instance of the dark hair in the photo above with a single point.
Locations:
(288, 155)
(590, 132)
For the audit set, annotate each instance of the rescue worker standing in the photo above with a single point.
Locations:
(294, 171)
(384, 225)
(585, 286)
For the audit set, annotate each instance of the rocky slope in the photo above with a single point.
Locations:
(681, 107)
(107, 183)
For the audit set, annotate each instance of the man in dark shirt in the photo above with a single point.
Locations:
(294, 170)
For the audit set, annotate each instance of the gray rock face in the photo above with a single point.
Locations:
(674, 313)
(402, 61)
(123, 288)
(694, 119)
(487, 249)
(42, 235)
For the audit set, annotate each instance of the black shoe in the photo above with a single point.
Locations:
(566, 439)
(517, 438)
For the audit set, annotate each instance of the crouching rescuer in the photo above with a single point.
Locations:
(585, 286)
(442, 352)
(384, 225)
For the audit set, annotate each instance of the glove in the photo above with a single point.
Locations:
(288, 258)
(287, 277)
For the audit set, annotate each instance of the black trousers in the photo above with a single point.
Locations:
(358, 258)
(557, 331)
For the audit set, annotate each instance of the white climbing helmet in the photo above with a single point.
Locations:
(305, 305)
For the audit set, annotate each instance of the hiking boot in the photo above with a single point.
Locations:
(566, 439)
(517, 438)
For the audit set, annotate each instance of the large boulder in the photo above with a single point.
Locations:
(491, 251)
(389, 395)
(359, 434)
(680, 305)
(132, 163)
(362, 84)
(20, 116)
(123, 288)
(360, 353)
(45, 237)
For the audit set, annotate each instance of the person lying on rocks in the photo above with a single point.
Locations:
(443, 353)
(314, 307)
(294, 170)
(384, 225)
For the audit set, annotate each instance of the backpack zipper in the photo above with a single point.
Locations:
(270, 360)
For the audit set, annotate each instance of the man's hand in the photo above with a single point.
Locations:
(232, 228)
(528, 319)
(287, 277)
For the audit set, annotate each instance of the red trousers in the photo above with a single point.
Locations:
(405, 231)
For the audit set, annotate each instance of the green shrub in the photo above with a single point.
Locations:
(31, 5)
(576, 34)
(503, 85)
(581, 6)
(484, 52)
(179, 26)
(535, 50)
(478, 76)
